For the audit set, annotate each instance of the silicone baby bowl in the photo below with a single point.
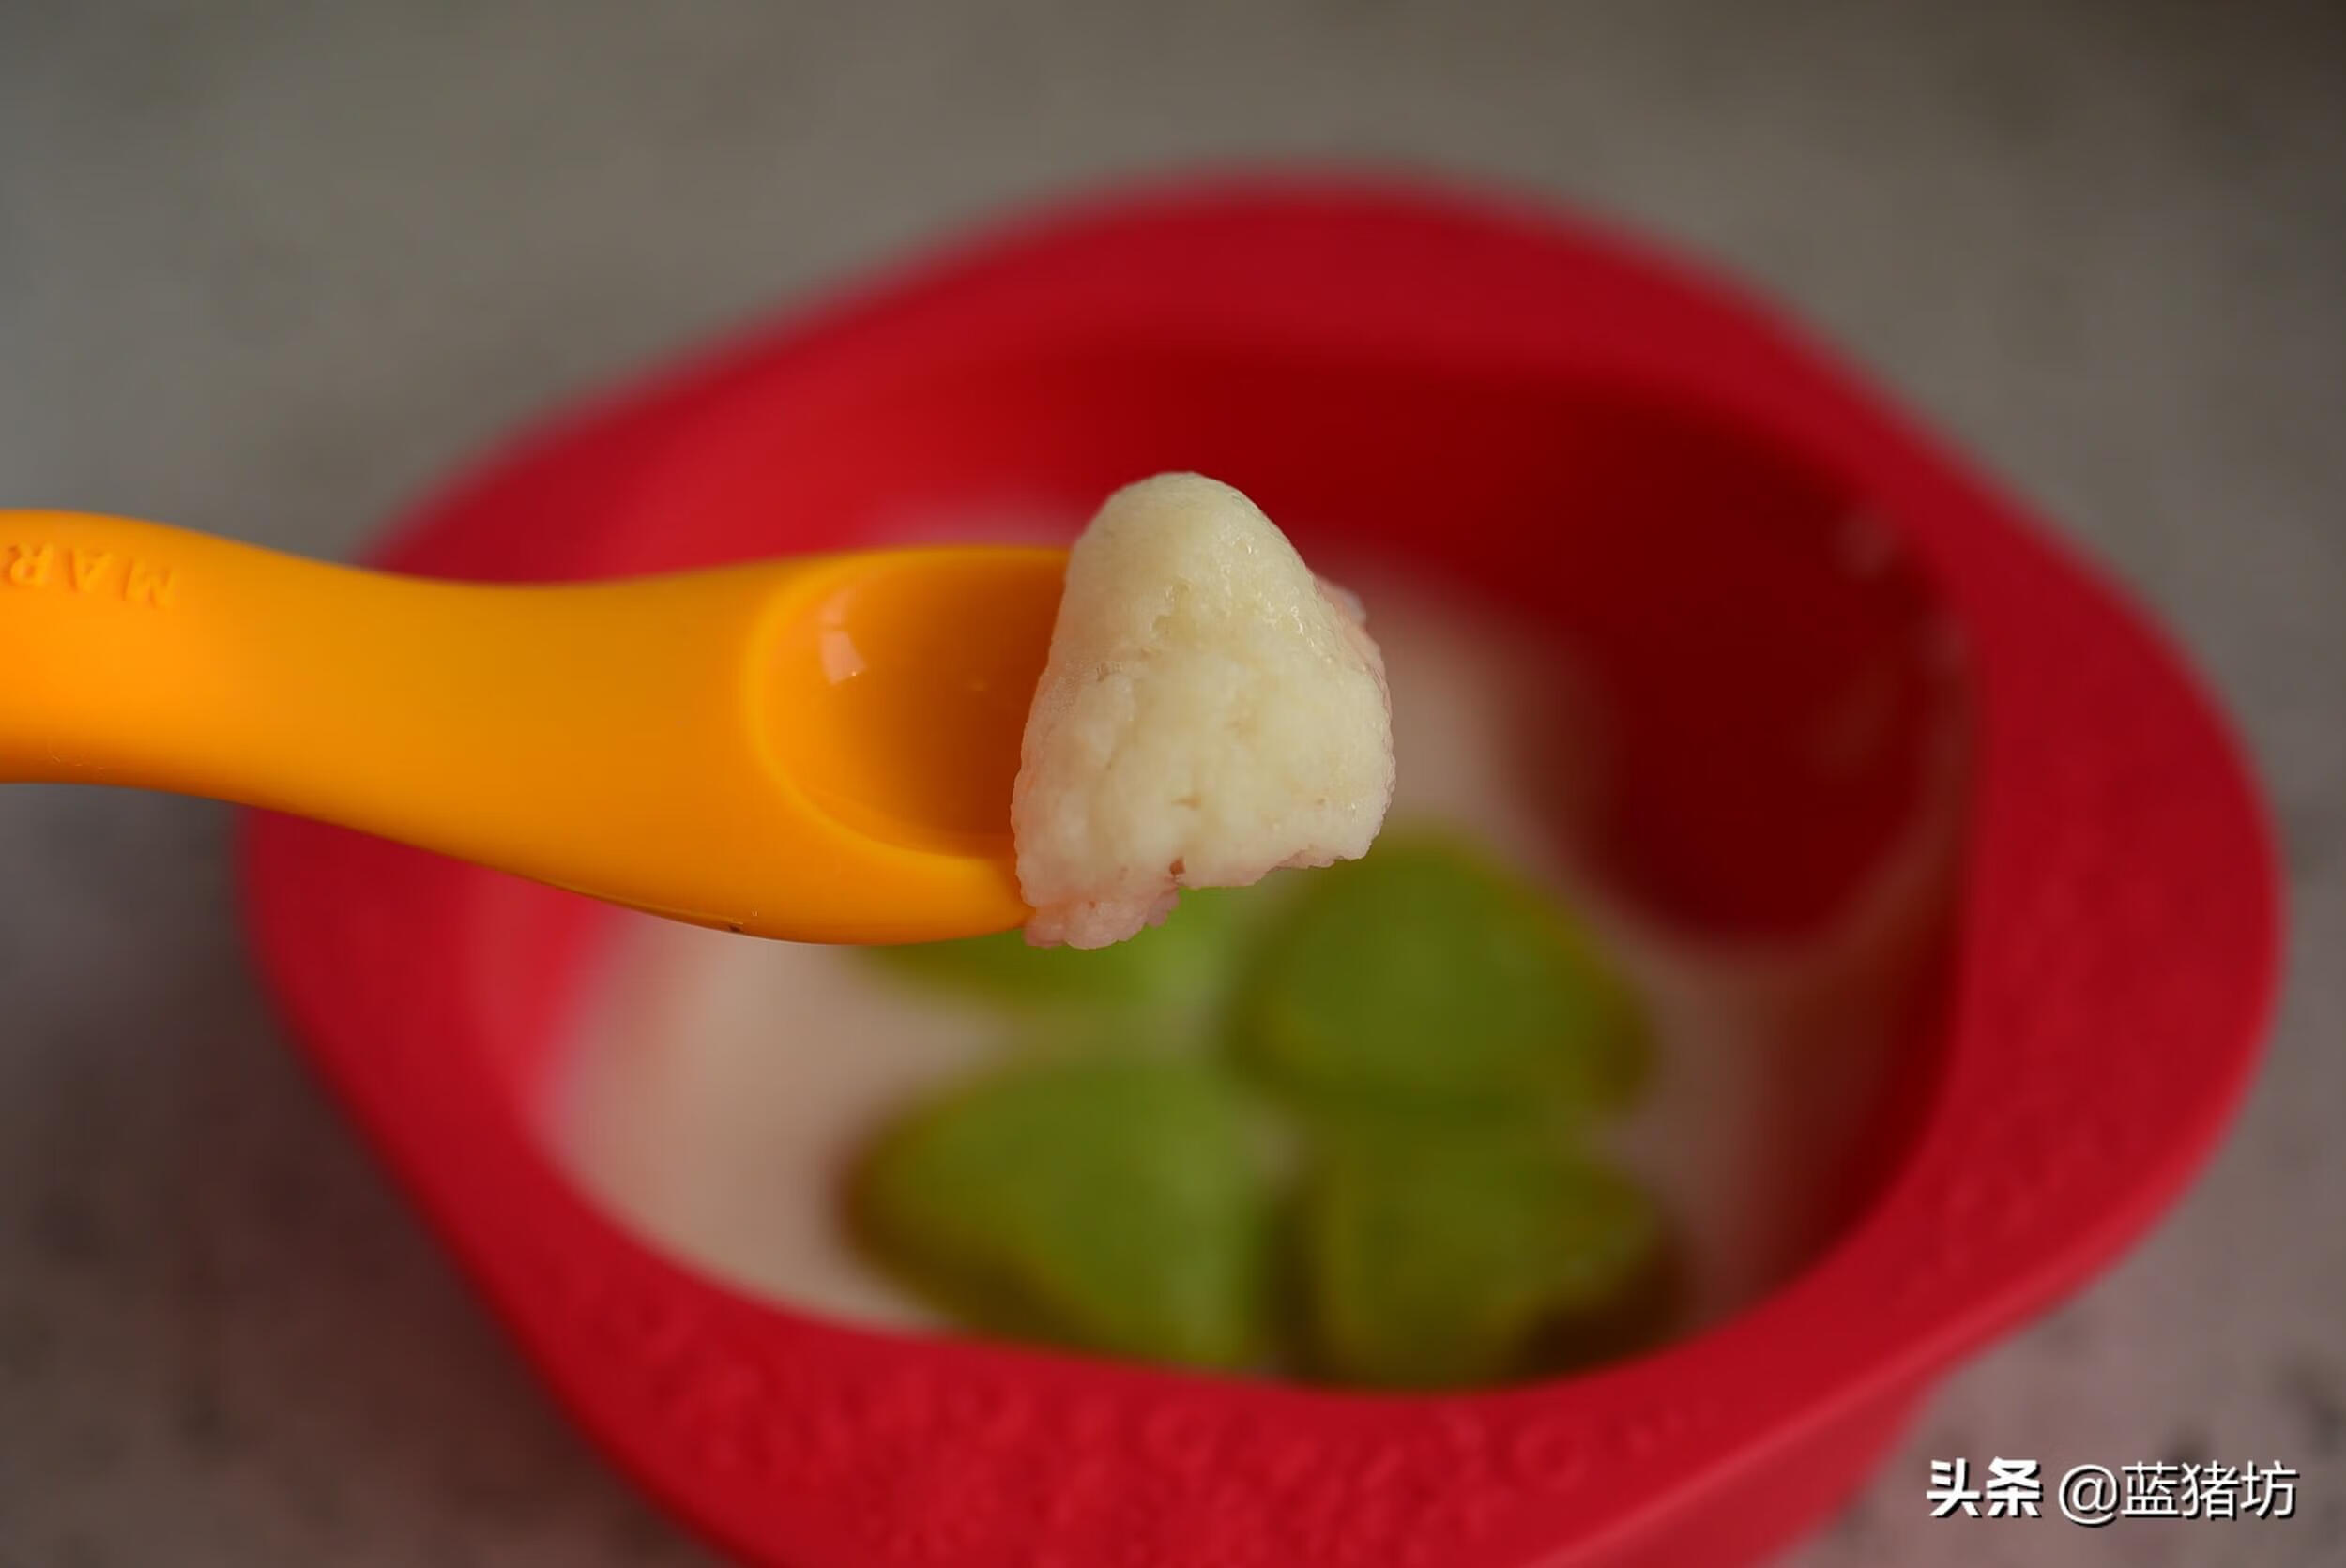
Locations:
(1544, 415)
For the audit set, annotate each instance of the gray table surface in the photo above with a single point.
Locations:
(270, 269)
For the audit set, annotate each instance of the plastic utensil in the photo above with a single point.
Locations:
(819, 748)
(1563, 424)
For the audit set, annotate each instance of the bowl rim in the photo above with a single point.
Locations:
(2120, 909)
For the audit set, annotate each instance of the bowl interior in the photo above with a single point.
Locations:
(1725, 708)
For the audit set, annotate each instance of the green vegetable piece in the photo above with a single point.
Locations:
(1109, 1202)
(1425, 977)
(1181, 962)
(1453, 1261)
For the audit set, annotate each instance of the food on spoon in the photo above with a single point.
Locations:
(1210, 712)
(1111, 1200)
(1428, 978)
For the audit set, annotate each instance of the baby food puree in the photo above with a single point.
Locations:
(1209, 713)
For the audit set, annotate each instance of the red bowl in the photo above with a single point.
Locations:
(1546, 416)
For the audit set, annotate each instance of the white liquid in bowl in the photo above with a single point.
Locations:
(719, 1086)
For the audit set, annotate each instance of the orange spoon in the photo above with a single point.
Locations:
(817, 749)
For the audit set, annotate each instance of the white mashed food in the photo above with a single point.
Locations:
(1210, 712)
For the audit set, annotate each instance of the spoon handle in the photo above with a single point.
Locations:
(517, 726)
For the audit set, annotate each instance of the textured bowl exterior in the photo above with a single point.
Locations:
(2112, 966)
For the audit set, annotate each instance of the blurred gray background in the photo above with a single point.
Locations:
(270, 269)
